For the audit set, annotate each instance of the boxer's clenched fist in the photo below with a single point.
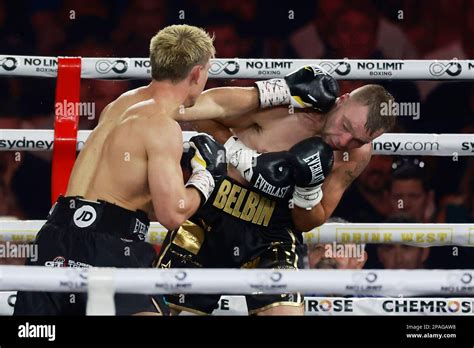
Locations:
(309, 86)
(207, 159)
(312, 161)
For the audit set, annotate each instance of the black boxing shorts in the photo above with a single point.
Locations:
(81, 233)
(252, 232)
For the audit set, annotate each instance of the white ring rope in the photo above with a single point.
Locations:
(358, 233)
(236, 68)
(43, 139)
(406, 144)
(242, 281)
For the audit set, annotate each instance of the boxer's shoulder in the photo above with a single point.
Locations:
(363, 153)
(160, 133)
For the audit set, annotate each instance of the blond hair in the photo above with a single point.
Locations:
(374, 96)
(176, 49)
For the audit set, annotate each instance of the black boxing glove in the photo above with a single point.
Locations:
(312, 160)
(309, 86)
(208, 163)
(269, 173)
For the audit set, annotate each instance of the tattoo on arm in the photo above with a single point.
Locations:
(257, 127)
(351, 175)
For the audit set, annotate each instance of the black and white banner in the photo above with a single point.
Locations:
(336, 306)
(406, 144)
(236, 68)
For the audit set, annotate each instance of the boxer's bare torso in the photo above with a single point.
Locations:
(132, 158)
(113, 163)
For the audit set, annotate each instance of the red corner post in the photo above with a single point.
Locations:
(66, 122)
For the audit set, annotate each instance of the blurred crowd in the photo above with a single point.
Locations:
(431, 189)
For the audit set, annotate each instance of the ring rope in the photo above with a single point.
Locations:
(424, 235)
(403, 144)
(241, 281)
(236, 68)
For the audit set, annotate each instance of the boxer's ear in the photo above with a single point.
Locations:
(343, 98)
(195, 74)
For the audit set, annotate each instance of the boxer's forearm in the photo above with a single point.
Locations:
(173, 206)
(305, 220)
(333, 188)
(223, 102)
(188, 206)
(174, 215)
(220, 132)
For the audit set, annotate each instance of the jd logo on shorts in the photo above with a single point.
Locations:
(84, 216)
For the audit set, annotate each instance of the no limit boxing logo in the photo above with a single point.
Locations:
(451, 69)
(276, 276)
(364, 282)
(466, 278)
(76, 278)
(268, 283)
(230, 67)
(371, 277)
(8, 63)
(180, 275)
(340, 68)
(118, 66)
(459, 283)
(174, 281)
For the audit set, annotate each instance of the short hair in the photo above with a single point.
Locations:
(411, 172)
(176, 49)
(374, 96)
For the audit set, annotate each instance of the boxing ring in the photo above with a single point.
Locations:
(393, 288)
